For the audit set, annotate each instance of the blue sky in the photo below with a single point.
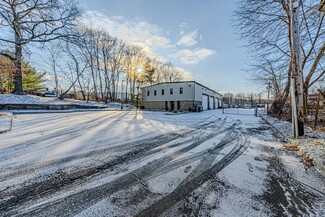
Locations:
(196, 36)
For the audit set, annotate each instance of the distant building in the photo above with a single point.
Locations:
(312, 98)
(180, 96)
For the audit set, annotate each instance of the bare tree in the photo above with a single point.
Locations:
(77, 67)
(89, 44)
(116, 64)
(228, 98)
(170, 73)
(99, 59)
(108, 45)
(27, 21)
(134, 57)
(53, 50)
(268, 29)
(157, 66)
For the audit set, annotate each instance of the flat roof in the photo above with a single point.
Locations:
(177, 82)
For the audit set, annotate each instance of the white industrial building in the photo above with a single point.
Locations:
(180, 96)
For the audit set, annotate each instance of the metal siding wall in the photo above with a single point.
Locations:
(186, 96)
(191, 92)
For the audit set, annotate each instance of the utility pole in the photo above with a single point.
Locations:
(296, 70)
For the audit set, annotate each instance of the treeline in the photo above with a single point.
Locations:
(90, 60)
(243, 98)
(100, 66)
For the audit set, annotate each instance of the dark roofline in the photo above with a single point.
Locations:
(177, 82)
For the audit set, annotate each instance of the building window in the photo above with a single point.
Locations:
(162, 92)
(148, 93)
(171, 91)
(180, 90)
(155, 92)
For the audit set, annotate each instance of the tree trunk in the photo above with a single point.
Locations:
(56, 79)
(1, 84)
(81, 88)
(93, 77)
(305, 99)
(18, 77)
(316, 112)
(278, 104)
(99, 71)
(126, 90)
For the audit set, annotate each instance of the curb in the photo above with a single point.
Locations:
(11, 116)
(319, 164)
(284, 137)
(20, 112)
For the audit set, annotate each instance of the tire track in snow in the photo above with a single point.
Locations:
(133, 147)
(207, 157)
(87, 197)
(202, 174)
(35, 189)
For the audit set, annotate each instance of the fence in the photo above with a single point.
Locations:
(240, 111)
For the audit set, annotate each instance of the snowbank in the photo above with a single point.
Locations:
(31, 99)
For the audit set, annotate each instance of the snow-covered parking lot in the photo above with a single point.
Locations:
(141, 163)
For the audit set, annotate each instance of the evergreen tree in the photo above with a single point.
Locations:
(32, 79)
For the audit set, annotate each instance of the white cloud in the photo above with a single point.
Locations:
(132, 31)
(193, 56)
(188, 39)
(151, 37)
(158, 41)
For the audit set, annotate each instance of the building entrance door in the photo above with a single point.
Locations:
(172, 105)
(205, 102)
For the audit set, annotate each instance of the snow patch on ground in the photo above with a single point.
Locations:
(296, 169)
(238, 203)
(32, 99)
(167, 182)
(102, 208)
(5, 121)
(249, 170)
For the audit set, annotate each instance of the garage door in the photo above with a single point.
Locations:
(212, 102)
(205, 102)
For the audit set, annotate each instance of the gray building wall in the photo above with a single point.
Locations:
(192, 95)
(188, 92)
